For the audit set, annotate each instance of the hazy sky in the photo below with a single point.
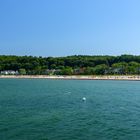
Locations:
(69, 27)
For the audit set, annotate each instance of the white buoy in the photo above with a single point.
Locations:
(84, 99)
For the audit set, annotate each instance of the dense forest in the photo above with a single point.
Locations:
(76, 65)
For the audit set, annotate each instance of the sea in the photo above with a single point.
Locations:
(41, 109)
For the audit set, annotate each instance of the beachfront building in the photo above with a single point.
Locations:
(9, 72)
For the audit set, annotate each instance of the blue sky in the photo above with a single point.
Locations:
(69, 27)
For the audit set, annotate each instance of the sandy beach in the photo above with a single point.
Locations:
(76, 77)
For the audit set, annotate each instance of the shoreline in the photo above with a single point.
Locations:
(74, 77)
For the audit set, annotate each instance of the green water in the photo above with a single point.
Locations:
(40, 109)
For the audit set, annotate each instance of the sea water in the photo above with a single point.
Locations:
(41, 109)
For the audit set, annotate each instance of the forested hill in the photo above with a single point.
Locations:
(84, 65)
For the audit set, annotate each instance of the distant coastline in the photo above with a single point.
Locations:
(70, 65)
(75, 77)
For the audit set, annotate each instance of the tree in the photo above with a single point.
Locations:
(67, 71)
(22, 71)
(89, 71)
(133, 67)
(100, 69)
(120, 68)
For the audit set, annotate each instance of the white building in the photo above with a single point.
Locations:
(9, 72)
